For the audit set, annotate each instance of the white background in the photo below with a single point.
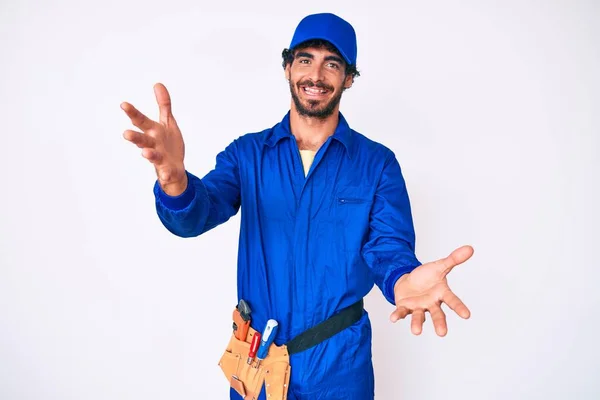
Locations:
(491, 107)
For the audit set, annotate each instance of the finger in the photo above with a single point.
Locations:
(455, 258)
(164, 102)
(400, 313)
(456, 304)
(140, 139)
(151, 155)
(137, 118)
(405, 306)
(439, 320)
(418, 318)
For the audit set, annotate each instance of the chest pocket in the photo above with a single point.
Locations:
(351, 200)
(352, 208)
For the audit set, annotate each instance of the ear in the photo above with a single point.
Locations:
(287, 72)
(348, 81)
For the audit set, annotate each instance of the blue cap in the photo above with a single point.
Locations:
(330, 27)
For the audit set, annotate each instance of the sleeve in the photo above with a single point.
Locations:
(207, 202)
(390, 247)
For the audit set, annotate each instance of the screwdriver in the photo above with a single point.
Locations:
(268, 336)
(253, 347)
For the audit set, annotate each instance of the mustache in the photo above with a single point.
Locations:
(319, 84)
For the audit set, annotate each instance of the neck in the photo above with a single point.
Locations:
(311, 133)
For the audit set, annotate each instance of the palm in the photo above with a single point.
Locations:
(161, 141)
(169, 143)
(426, 288)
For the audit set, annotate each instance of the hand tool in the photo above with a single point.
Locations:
(268, 336)
(253, 347)
(244, 309)
(241, 319)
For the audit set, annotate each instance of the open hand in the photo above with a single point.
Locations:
(426, 288)
(161, 142)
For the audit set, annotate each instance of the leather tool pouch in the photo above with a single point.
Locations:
(246, 379)
(274, 370)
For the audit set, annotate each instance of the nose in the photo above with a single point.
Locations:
(316, 72)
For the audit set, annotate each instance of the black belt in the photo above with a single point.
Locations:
(326, 329)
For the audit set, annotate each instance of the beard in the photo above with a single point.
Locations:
(313, 110)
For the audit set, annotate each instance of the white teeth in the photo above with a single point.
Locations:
(315, 91)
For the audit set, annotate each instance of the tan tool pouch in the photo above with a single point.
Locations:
(246, 379)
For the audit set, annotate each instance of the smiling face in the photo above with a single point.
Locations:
(317, 79)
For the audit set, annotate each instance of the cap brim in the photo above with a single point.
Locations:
(306, 39)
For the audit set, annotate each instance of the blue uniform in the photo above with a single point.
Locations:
(309, 245)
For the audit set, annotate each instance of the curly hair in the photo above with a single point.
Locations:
(288, 54)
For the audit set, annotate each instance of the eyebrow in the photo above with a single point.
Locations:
(334, 58)
(304, 54)
(328, 58)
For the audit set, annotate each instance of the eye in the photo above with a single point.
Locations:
(334, 65)
(304, 61)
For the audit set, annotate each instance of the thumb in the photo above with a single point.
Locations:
(455, 258)
(164, 102)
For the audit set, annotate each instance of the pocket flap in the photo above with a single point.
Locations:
(230, 364)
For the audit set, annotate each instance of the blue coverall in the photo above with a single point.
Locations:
(308, 246)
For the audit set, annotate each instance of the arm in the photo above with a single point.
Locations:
(206, 202)
(390, 247)
(186, 205)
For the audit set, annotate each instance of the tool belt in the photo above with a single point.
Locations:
(274, 371)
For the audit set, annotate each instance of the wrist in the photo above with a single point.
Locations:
(176, 198)
(400, 281)
(174, 189)
(177, 187)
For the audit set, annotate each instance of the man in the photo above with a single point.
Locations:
(326, 215)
